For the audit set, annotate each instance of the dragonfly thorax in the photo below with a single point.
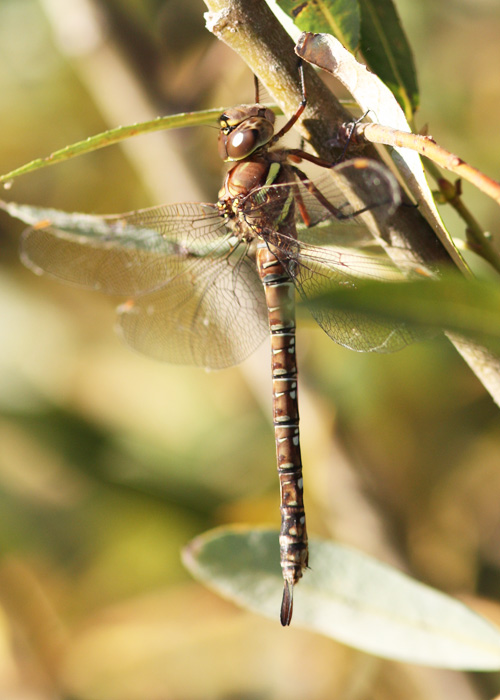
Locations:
(243, 130)
(250, 184)
(244, 177)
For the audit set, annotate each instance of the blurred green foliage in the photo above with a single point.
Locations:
(110, 463)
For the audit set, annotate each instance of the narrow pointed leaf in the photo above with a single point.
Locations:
(387, 52)
(338, 17)
(89, 228)
(349, 597)
(112, 136)
(103, 231)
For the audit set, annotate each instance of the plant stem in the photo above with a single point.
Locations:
(426, 146)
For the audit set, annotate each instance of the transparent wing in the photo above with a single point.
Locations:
(214, 315)
(196, 295)
(353, 330)
(340, 208)
(125, 254)
(337, 208)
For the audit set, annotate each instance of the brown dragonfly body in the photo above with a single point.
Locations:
(207, 282)
(246, 176)
(280, 294)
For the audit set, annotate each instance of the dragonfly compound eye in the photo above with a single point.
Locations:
(243, 130)
(242, 143)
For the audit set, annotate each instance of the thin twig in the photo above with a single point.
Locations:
(426, 146)
(477, 239)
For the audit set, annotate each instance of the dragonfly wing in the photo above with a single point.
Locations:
(356, 193)
(362, 332)
(125, 254)
(196, 297)
(316, 270)
(213, 315)
(335, 219)
(340, 206)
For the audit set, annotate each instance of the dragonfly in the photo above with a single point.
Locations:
(207, 282)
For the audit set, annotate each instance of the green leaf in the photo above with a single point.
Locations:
(387, 51)
(65, 240)
(338, 17)
(349, 597)
(86, 229)
(108, 138)
(455, 303)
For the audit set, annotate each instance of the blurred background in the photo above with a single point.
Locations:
(110, 463)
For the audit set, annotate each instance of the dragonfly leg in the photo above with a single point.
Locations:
(300, 109)
(311, 187)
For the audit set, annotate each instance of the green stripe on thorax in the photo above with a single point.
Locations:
(274, 171)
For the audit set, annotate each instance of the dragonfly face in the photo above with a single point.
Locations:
(199, 293)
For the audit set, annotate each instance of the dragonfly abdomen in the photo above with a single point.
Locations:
(279, 291)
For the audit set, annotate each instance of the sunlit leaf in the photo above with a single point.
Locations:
(348, 596)
(89, 228)
(387, 52)
(112, 136)
(338, 17)
(372, 26)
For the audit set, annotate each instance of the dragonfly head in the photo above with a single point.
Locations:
(243, 130)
